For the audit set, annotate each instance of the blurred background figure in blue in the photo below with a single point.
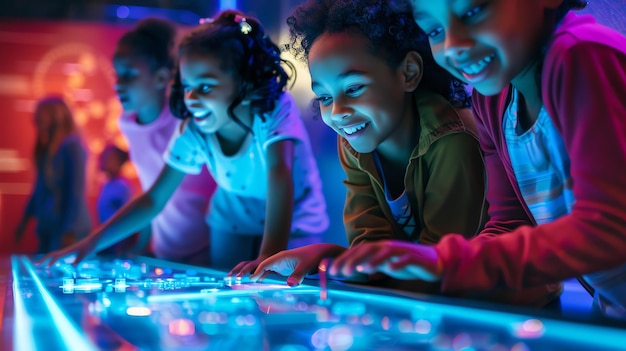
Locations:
(58, 201)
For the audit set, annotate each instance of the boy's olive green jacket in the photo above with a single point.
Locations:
(444, 180)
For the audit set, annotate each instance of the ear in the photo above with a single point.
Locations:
(162, 78)
(412, 70)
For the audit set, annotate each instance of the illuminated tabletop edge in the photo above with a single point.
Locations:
(497, 314)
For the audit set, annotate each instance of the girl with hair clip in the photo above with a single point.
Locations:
(240, 122)
(144, 62)
(406, 137)
(57, 202)
(551, 111)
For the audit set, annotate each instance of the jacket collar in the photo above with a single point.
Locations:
(438, 118)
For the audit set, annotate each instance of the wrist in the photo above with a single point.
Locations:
(438, 266)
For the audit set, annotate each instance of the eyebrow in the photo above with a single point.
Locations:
(342, 76)
(202, 77)
(207, 76)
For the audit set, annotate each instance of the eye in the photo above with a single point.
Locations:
(433, 34)
(204, 88)
(355, 89)
(472, 12)
(324, 100)
(200, 89)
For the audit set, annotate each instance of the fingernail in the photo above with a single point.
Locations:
(363, 267)
(291, 281)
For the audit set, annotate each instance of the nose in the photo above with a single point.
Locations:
(340, 109)
(457, 40)
(190, 95)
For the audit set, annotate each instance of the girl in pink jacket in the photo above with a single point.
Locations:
(551, 112)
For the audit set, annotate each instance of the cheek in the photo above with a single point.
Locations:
(440, 60)
(439, 56)
(136, 89)
(325, 113)
(143, 84)
(187, 100)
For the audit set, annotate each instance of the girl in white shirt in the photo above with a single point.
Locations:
(241, 123)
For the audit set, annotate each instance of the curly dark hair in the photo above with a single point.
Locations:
(389, 27)
(252, 59)
(153, 40)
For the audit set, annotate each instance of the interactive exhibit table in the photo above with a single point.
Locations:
(149, 304)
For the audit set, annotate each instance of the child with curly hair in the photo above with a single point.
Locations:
(406, 137)
(550, 106)
(239, 122)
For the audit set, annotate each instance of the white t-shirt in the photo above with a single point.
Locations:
(238, 205)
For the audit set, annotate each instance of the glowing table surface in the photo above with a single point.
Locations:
(149, 304)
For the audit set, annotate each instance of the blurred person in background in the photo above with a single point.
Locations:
(58, 201)
(116, 191)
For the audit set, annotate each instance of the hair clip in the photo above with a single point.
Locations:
(244, 26)
(206, 20)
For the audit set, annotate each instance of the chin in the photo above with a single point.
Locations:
(489, 89)
(361, 148)
(208, 129)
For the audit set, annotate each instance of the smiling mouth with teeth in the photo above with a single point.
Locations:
(477, 67)
(201, 116)
(354, 129)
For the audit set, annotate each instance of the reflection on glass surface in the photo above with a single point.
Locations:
(154, 305)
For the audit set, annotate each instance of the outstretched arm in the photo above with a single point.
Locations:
(279, 205)
(129, 219)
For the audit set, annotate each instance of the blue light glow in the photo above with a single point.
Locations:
(340, 338)
(23, 322)
(138, 311)
(140, 12)
(71, 336)
(123, 12)
(45, 319)
(602, 336)
(228, 4)
(214, 292)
